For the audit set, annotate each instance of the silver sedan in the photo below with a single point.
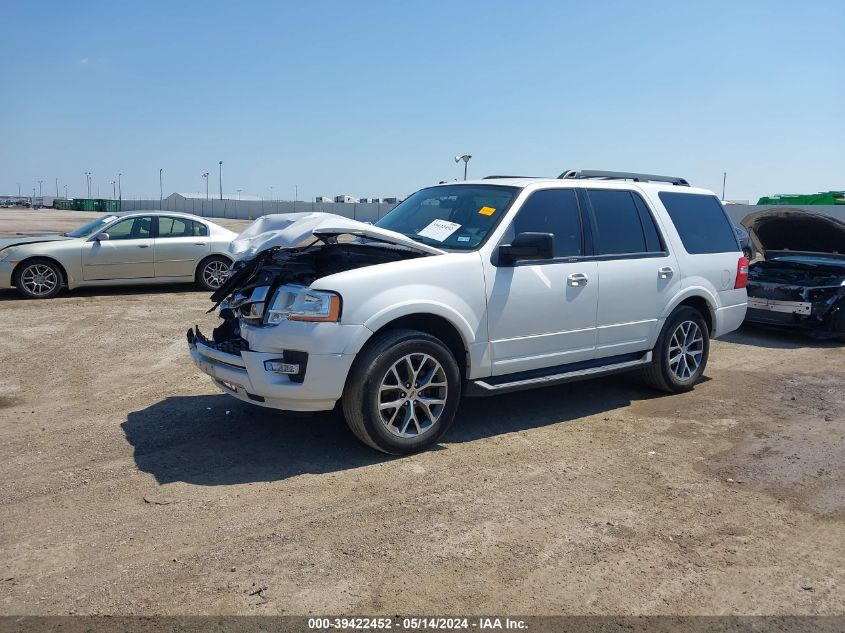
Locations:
(120, 249)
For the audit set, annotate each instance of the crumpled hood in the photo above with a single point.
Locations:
(791, 229)
(17, 240)
(290, 229)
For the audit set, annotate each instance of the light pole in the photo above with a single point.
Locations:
(119, 189)
(205, 175)
(724, 180)
(88, 180)
(39, 188)
(220, 163)
(464, 158)
(65, 192)
(271, 193)
(239, 194)
(113, 189)
(160, 187)
(57, 187)
(295, 196)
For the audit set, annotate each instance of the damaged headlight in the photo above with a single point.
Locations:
(294, 303)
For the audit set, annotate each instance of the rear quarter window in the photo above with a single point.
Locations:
(701, 222)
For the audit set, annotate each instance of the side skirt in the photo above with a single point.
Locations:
(559, 374)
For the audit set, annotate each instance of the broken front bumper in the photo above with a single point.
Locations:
(312, 382)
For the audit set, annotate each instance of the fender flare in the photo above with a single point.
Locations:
(410, 308)
(688, 293)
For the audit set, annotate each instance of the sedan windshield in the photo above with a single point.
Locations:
(92, 227)
(455, 217)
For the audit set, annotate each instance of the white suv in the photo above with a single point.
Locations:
(475, 288)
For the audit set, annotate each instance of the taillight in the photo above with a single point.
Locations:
(741, 273)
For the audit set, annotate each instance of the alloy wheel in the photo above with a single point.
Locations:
(39, 280)
(215, 273)
(686, 348)
(412, 395)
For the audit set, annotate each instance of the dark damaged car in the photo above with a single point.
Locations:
(800, 283)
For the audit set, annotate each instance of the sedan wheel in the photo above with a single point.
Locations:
(214, 273)
(39, 280)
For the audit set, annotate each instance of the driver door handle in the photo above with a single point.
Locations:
(665, 272)
(577, 280)
(143, 245)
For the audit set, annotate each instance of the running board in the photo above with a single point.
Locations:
(499, 384)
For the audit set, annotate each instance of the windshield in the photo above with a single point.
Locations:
(92, 227)
(456, 217)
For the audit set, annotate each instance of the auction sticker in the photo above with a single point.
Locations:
(439, 230)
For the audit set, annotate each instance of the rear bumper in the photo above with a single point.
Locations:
(245, 377)
(728, 318)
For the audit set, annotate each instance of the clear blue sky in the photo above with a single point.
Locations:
(376, 98)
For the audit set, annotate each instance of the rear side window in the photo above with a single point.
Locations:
(179, 227)
(620, 226)
(553, 211)
(701, 222)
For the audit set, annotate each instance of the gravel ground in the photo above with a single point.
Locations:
(129, 485)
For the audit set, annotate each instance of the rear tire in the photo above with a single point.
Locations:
(681, 352)
(213, 272)
(402, 392)
(38, 279)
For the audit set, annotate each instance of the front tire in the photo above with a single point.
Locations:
(38, 279)
(681, 353)
(213, 272)
(402, 392)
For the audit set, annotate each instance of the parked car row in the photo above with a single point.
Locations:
(119, 249)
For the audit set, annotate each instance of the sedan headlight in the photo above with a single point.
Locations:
(293, 303)
(6, 253)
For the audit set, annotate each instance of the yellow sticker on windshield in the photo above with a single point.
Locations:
(487, 210)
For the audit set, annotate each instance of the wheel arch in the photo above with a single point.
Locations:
(700, 300)
(437, 326)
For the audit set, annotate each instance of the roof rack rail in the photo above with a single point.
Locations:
(621, 175)
(493, 177)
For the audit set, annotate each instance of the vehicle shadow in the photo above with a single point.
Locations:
(215, 440)
(755, 336)
(111, 291)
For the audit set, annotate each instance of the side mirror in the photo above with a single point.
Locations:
(101, 237)
(528, 246)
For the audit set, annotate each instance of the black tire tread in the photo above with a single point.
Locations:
(44, 260)
(198, 275)
(353, 399)
(655, 374)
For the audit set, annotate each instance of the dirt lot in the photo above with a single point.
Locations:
(128, 484)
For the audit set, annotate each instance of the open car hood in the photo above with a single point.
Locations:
(795, 230)
(17, 240)
(291, 229)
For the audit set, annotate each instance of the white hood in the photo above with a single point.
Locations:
(291, 229)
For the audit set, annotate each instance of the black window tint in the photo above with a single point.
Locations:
(176, 227)
(652, 237)
(553, 211)
(130, 229)
(618, 223)
(199, 229)
(701, 222)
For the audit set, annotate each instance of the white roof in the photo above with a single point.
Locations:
(192, 195)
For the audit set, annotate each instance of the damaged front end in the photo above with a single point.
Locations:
(801, 282)
(248, 355)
